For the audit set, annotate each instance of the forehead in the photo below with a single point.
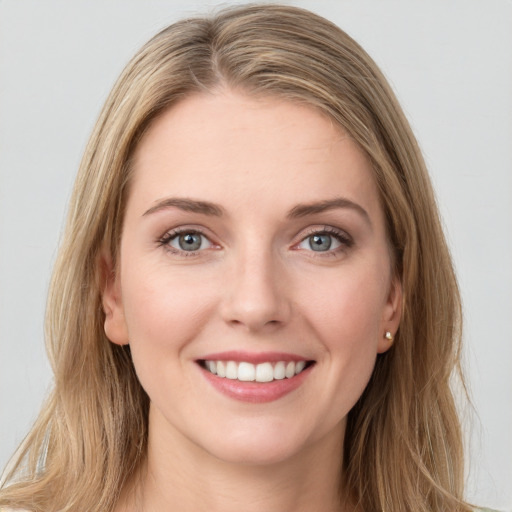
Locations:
(229, 147)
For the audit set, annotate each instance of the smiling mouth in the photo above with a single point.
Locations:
(248, 372)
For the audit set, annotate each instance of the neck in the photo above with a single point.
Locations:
(179, 475)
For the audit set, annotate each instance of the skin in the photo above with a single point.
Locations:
(257, 286)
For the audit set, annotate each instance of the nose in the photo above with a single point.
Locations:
(256, 294)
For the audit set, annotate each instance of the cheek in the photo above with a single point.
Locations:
(345, 314)
(164, 311)
(346, 307)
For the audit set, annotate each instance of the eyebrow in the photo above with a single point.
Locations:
(302, 210)
(188, 205)
(298, 211)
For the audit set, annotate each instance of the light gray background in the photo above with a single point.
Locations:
(451, 65)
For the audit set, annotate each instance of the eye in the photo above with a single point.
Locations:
(186, 241)
(327, 240)
(319, 242)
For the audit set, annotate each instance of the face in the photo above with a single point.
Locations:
(254, 282)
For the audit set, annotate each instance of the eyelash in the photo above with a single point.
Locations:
(343, 238)
(165, 240)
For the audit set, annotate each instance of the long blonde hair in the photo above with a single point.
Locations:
(403, 449)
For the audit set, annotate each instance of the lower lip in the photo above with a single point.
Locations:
(256, 392)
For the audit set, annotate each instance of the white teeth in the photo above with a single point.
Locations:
(299, 367)
(221, 369)
(231, 370)
(248, 372)
(264, 372)
(279, 371)
(290, 370)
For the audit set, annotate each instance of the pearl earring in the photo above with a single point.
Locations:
(389, 336)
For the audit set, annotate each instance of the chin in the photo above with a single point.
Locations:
(256, 454)
(260, 445)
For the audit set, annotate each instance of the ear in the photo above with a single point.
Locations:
(115, 324)
(391, 316)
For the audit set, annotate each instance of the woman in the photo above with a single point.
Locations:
(254, 304)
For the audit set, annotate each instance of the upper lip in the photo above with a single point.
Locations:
(253, 357)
